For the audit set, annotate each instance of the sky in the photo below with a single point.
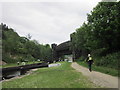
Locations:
(47, 22)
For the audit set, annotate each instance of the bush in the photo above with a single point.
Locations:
(99, 52)
(7, 59)
(110, 60)
(82, 58)
(30, 58)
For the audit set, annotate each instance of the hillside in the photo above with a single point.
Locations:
(16, 48)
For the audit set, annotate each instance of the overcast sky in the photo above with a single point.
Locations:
(46, 22)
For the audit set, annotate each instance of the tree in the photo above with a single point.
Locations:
(16, 48)
(101, 33)
(104, 22)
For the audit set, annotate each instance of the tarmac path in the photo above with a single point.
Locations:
(97, 78)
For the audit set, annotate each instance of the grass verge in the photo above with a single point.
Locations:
(105, 70)
(15, 64)
(63, 76)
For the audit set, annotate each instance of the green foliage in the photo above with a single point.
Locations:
(7, 59)
(110, 60)
(103, 69)
(104, 23)
(99, 52)
(80, 58)
(16, 48)
(101, 34)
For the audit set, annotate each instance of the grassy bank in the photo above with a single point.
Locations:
(105, 70)
(15, 64)
(63, 76)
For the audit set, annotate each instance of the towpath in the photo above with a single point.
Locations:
(97, 78)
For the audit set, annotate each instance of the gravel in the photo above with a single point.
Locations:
(97, 78)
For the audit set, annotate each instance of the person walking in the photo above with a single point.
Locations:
(90, 62)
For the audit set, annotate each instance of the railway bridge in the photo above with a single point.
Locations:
(64, 49)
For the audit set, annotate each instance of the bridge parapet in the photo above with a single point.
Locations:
(63, 46)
